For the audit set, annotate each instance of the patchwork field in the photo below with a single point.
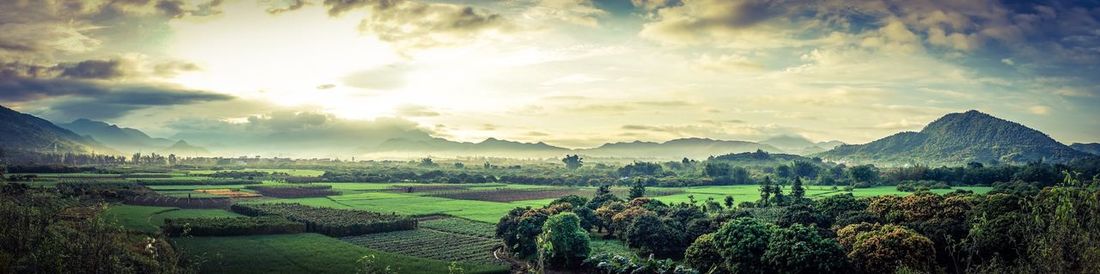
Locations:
(432, 244)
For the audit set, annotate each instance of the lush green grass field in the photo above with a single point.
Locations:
(302, 253)
(149, 218)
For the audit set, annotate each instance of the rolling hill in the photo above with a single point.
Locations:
(19, 131)
(959, 138)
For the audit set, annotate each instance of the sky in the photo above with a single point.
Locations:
(572, 73)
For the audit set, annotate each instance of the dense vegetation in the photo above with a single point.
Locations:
(332, 222)
(50, 232)
(235, 226)
(1033, 230)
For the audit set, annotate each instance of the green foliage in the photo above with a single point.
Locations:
(651, 235)
(742, 243)
(234, 226)
(615, 264)
(572, 162)
(703, 254)
(886, 248)
(638, 190)
(567, 240)
(332, 222)
(801, 249)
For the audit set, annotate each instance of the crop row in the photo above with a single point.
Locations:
(436, 245)
(295, 191)
(232, 226)
(329, 221)
(461, 226)
(180, 202)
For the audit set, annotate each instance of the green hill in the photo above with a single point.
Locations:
(959, 138)
(19, 131)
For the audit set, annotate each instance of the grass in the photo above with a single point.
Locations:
(302, 253)
(149, 218)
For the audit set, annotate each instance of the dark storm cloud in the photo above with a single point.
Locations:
(337, 7)
(74, 91)
(94, 69)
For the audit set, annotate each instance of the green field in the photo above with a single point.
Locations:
(149, 218)
(302, 253)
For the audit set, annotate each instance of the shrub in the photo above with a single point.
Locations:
(329, 221)
(233, 226)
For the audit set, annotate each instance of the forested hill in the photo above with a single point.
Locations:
(19, 131)
(959, 138)
(1091, 148)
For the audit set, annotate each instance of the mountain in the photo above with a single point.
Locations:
(695, 148)
(794, 144)
(1090, 148)
(827, 145)
(182, 148)
(959, 138)
(21, 131)
(444, 147)
(123, 139)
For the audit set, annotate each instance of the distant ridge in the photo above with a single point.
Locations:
(1090, 148)
(959, 138)
(123, 139)
(19, 131)
(673, 149)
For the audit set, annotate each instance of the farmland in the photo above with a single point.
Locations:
(303, 253)
(424, 243)
(467, 238)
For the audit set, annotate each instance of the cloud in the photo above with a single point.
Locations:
(381, 78)
(295, 133)
(289, 5)
(78, 91)
(415, 111)
(1039, 110)
(415, 25)
(578, 12)
(173, 68)
(93, 69)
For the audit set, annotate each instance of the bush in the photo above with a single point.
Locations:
(295, 191)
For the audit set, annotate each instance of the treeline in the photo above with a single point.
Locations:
(231, 226)
(1024, 230)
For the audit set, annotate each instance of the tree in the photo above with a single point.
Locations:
(703, 255)
(740, 176)
(638, 190)
(573, 162)
(427, 162)
(886, 248)
(797, 191)
(804, 169)
(650, 235)
(783, 171)
(728, 202)
(765, 191)
(801, 249)
(741, 243)
(567, 241)
(865, 174)
(716, 169)
(576, 201)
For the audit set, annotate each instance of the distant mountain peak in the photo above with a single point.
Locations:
(958, 138)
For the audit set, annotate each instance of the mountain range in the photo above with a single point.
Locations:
(26, 132)
(956, 138)
(130, 140)
(959, 138)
